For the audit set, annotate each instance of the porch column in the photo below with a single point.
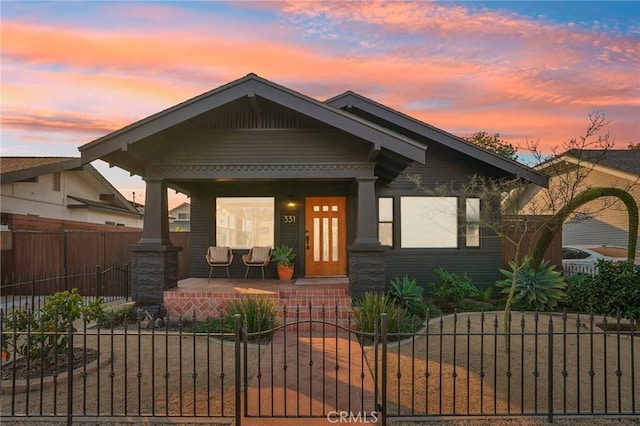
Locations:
(155, 227)
(367, 265)
(154, 259)
(367, 217)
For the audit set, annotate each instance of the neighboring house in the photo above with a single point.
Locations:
(265, 165)
(65, 189)
(180, 218)
(600, 222)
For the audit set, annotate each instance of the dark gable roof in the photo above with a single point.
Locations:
(351, 101)
(626, 160)
(252, 86)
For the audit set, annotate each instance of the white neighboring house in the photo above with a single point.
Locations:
(62, 188)
(604, 168)
(180, 218)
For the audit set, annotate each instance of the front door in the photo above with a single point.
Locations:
(325, 236)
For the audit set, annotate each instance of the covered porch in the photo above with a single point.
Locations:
(302, 298)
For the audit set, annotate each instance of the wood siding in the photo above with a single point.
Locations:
(482, 264)
(264, 147)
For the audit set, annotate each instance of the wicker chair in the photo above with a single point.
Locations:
(219, 256)
(257, 257)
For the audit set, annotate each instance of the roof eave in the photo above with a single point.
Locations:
(351, 99)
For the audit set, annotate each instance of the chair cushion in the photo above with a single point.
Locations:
(259, 254)
(219, 254)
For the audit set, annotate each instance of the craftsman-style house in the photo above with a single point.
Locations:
(265, 165)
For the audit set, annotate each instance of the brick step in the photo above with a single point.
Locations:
(329, 292)
(316, 300)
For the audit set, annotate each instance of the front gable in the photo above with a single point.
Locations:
(254, 129)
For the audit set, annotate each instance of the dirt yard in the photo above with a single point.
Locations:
(148, 374)
(429, 374)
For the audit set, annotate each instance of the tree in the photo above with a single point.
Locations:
(635, 147)
(569, 165)
(493, 143)
(502, 199)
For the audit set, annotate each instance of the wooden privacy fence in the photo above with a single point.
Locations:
(32, 253)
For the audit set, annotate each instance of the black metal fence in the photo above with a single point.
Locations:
(474, 364)
(111, 282)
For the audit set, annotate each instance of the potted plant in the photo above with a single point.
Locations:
(283, 256)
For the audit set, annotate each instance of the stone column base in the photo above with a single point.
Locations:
(367, 267)
(154, 269)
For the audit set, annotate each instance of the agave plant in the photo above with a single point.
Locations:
(541, 288)
(405, 290)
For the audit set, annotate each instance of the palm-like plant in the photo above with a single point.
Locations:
(540, 287)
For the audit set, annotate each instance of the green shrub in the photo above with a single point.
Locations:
(408, 294)
(209, 325)
(452, 287)
(540, 288)
(116, 318)
(486, 295)
(258, 313)
(616, 289)
(432, 310)
(470, 305)
(368, 309)
(578, 286)
(56, 316)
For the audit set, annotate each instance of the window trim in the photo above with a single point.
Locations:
(390, 222)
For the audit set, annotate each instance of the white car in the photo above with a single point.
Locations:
(583, 258)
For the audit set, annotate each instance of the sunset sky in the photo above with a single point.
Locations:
(74, 71)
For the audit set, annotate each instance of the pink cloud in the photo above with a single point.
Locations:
(530, 74)
(56, 121)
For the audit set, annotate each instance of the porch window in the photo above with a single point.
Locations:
(385, 221)
(245, 222)
(429, 222)
(472, 214)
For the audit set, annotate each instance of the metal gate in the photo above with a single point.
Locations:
(313, 368)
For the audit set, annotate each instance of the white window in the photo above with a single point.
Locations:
(244, 222)
(385, 221)
(473, 222)
(429, 222)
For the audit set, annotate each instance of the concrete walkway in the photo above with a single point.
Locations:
(305, 375)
